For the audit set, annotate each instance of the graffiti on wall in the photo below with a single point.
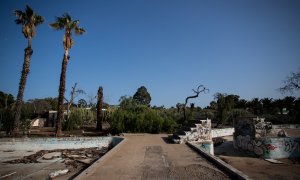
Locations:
(244, 127)
(292, 145)
(206, 147)
(269, 147)
(248, 144)
(202, 132)
(262, 128)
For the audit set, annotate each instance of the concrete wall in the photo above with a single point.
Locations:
(269, 148)
(286, 126)
(262, 139)
(207, 147)
(200, 133)
(222, 132)
(281, 147)
(36, 144)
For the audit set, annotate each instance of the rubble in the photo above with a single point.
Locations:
(51, 155)
(58, 173)
(86, 161)
(70, 157)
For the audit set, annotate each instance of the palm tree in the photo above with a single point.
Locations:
(99, 109)
(29, 20)
(65, 23)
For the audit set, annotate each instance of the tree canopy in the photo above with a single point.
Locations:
(142, 96)
(29, 20)
(6, 99)
(65, 23)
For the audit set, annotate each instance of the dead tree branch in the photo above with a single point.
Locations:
(74, 93)
(200, 89)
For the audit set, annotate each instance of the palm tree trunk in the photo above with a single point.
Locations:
(99, 109)
(14, 130)
(62, 87)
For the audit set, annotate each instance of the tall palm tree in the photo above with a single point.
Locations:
(29, 20)
(65, 23)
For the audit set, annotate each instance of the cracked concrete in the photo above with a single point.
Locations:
(151, 156)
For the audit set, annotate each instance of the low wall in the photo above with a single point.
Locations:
(269, 148)
(222, 132)
(36, 144)
(286, 126)
(207, 147)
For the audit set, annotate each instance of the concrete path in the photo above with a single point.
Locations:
(147, 156)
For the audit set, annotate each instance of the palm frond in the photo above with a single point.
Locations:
(79, 31)
(18, 21)
(19, 13)
(74, 24)
(67, 17)
(38, 20)
(29, 11)
(56, 26)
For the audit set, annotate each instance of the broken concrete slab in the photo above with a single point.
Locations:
(51, 155)
(86, 161)
(58, 173)
(41, 160)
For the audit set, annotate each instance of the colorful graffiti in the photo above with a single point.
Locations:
(274, 148)
(248, 144)
(201, 133)
(262, 128)
(292, 145)
(207, 147)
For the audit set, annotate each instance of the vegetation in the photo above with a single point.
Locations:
(142, 96)
(65, 23)
(29, 20)
(6, 113)
(78, 118)
(291, 83)
(74, 93)
(132, 116)
(227, 107)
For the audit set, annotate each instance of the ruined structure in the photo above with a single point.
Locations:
(197, 132)
(258, 137)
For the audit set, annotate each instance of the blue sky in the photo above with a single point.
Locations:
(169, 46)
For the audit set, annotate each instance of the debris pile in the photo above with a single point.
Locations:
(72, 158)
(83, 155)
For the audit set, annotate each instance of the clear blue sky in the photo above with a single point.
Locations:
(169, 46)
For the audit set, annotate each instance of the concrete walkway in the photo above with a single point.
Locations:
(147, 156)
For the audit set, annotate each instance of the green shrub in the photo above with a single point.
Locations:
(6, 119)
(78, 117)
(133, 117)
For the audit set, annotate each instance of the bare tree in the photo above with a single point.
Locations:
(74, 93)
(91, 98)
(200, 89)
(291, 83)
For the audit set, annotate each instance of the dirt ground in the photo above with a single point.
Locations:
(258, 168)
